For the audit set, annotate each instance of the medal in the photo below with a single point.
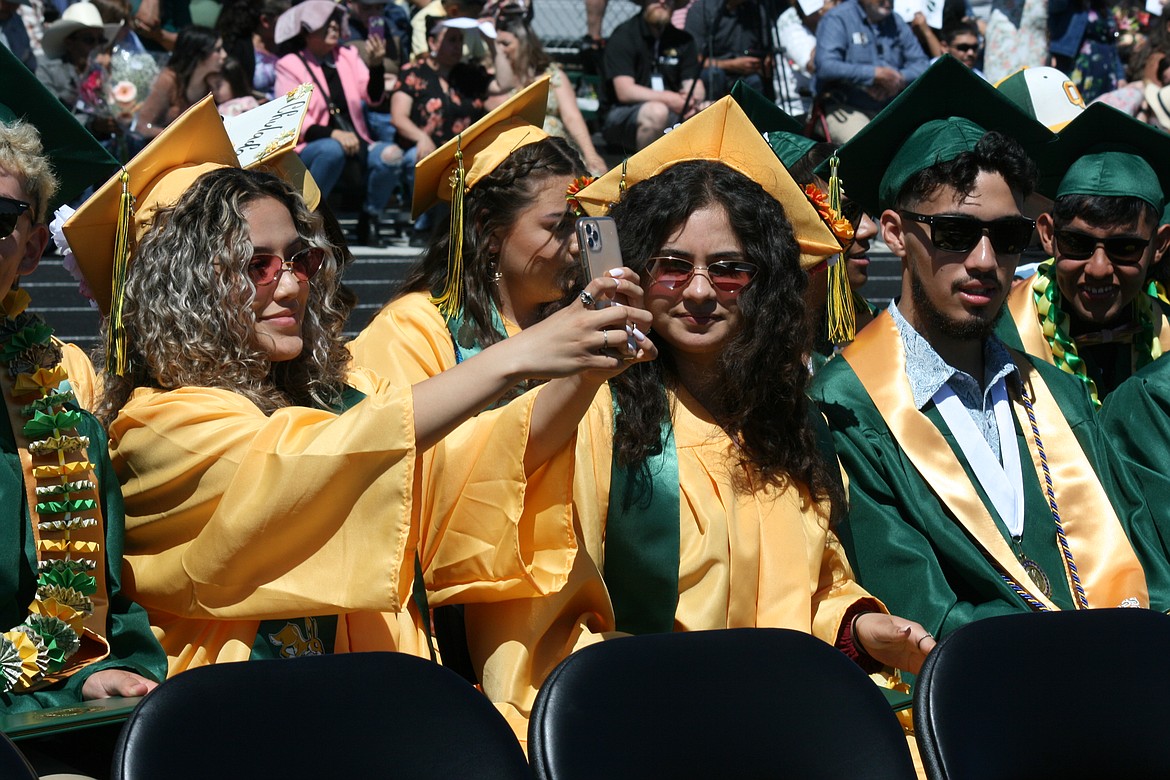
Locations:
(1038, 576)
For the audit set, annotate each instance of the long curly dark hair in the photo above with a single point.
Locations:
(492, 205)
(762, 375)
(187, 310)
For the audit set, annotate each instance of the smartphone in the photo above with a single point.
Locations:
(377, 28)
(598, 241)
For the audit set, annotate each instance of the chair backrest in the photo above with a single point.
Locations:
(13, 764)
(351, 715)
(743, 703)
(1059, 694)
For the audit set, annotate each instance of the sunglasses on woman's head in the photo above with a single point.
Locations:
(10, 211)
(726, 276)
(304, 265)
(1125, 250)
(957, 233)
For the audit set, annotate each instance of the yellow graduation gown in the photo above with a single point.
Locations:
(234, 517)
(765, 558)
(83, 379)
(407, 341)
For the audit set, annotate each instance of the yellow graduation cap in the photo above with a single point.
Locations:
(481, 148)
(103, 232)
(722, 132)
(454, 168)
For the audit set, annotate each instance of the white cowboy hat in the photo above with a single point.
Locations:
(76, 17)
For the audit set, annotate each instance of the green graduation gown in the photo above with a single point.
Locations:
(921, 533)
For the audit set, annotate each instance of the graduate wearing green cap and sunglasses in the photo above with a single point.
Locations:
(947, 436)
(1087, 310)
(67, 631)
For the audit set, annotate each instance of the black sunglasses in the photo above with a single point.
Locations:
(264, 269)
(10, 211)
(955, 233)
(1126, 250)
(965, 47)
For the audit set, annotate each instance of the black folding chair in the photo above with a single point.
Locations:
(362, 715)
(1074, 695)
(742, 703)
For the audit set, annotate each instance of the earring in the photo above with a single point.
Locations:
(494, 265)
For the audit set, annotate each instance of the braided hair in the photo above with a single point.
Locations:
(491, 206)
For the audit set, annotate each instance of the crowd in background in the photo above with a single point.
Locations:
(412, 74)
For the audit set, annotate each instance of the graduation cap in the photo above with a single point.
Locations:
(943, 113)
(103, 232)
(481, 148)
(1045, 94)
(77, 159)
(1107, 152)
(455, 167)
(722, 133)
(784, 134)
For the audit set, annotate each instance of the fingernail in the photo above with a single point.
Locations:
(616, 273)
(639, 335)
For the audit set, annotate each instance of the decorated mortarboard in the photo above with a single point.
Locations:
(455, 167)
(265, 138)
(722, 133)
(105, 230)
(1107, 152)
(1045, 94)
(78, 160)
(783, 133)
(943, 113)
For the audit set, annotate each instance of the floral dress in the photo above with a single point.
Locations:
(1097, 67)
(440, 113)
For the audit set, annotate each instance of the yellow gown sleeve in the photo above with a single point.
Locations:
(234, 517)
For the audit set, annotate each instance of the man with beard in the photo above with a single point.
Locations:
(973, 479)
(651, 69)
(1086, 310)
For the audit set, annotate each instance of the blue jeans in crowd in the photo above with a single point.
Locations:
(325, 159)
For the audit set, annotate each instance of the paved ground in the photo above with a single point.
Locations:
(374, 278)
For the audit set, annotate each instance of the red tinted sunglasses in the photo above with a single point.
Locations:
(265, 268)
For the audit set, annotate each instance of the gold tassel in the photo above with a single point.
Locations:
(450, 302)
(115, 329)
(842, 317)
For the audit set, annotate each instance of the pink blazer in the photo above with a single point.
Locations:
(355, 77)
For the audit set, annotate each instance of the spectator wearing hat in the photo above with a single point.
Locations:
(335, 130)
(69, 45)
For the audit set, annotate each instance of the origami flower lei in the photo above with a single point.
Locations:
(66, 501)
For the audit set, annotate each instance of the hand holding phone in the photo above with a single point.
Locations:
(600, 249)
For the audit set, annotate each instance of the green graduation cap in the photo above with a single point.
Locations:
(783, 133)
(943, 113)
(1106, 152)
(78, 160)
